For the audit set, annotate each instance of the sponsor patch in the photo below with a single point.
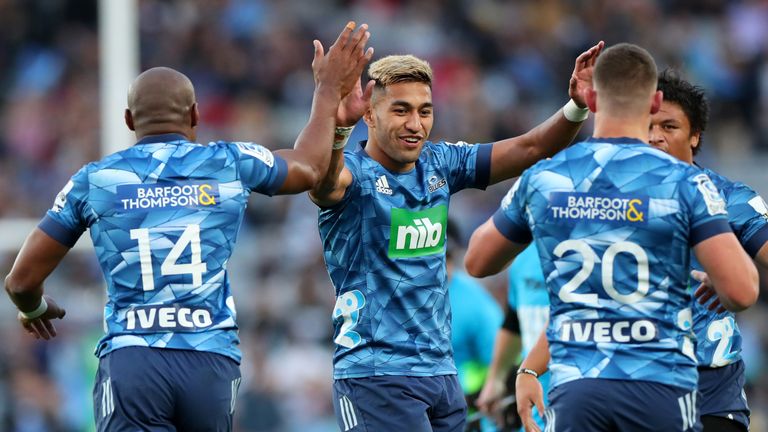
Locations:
(572, 207)
(167, 196)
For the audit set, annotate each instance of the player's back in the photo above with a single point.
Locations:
(164, 216)
(614, 221)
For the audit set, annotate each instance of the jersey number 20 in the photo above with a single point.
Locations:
(189, 238)
(589, 258)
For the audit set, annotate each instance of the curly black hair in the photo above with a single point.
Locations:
(691, 99)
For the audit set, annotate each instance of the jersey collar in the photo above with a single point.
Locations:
(163, 138)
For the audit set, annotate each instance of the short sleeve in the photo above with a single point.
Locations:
(708, 212)
(260, 170)
(469, 165)
(748, 217)
(67, 219)
(510, 218)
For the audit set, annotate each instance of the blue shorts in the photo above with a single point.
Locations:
(615, 405)
(154, 389)
(400, 403)
(722, 392)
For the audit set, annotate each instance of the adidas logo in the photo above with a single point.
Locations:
(382, 185)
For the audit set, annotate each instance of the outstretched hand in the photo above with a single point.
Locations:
(706, 291)
(42, 326)
(342, 66)
(581, 78)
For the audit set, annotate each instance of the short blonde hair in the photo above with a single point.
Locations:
(395, 69)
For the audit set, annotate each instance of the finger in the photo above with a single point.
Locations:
(319, 50)
(341, 41)
(49, 327)
(540, 404)
(705, 296)
(715, 305)
(362, 61)
(40, 329)
(359, 39)
(699, 276)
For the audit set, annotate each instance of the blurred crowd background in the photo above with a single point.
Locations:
(500, 67)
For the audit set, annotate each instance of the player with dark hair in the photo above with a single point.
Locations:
(163, 216)
(383, 216)
(677, 129)
(614, 220)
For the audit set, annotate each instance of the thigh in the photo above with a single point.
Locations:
(578, 406)
(449, 414)
(722, 394)
(129, 394)
(388, 403)
(205, 399)
(643, 406)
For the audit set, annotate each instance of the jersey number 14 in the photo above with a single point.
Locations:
(189, 238)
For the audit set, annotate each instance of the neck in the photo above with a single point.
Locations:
(164, 129)
(392, 165)
(620, 127)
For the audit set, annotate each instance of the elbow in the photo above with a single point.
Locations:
(745, 295)
(13, 286)
(475, 266)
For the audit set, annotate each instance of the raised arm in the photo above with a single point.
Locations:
(38, 257)
(335, 75)
(513, 155)
(331, 188)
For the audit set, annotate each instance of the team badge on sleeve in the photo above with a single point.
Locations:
(507, 200)
(713, 199)
(61, 198)
(259, 152)
(758, 203)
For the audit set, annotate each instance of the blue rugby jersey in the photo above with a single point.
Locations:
(613, 221)
(384, 247)
(164, 216)
(718, 339)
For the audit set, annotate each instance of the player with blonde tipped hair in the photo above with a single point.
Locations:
(383, 218)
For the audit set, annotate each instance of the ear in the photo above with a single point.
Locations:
(368, 116)
(656, 100)
(129, 119)
(591, 96)
(695, 140)
(194, 115)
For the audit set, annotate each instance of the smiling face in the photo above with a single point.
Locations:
(399, 122)
(670, 131)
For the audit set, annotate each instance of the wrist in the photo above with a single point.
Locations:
(39, 311)
(574, 113)
(341, 136)
(527, 371)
